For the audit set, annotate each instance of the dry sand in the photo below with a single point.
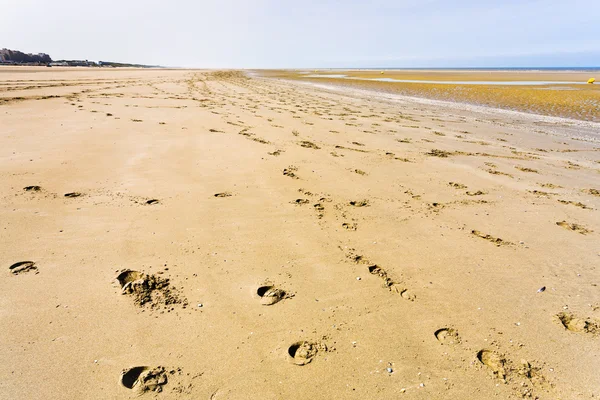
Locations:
(400, 247)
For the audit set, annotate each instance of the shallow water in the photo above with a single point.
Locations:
(511, 83)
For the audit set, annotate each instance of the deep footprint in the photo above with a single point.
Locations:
(149, 289)
(302, 353)
(144, 379)
(270, 295)
(32, 188)
(128, 276)
(23, 267)
(447, 336)
(375, 270)
(73, 194)
(580, 325)
(129, 377)
(493, 361)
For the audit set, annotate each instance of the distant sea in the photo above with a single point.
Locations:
(562, 69)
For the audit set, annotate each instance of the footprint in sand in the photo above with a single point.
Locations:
(152, 201)
(300, 201)
(270, 295)
(149, 289)
(439, 153)
(144, 379)
(574, 227)
(447, 336)
(525, 169)
(408, 295)
(223, 194)
(387, 281)
(290, 171)
(493, 361)
(457, 185)
(32, 188)
(73, 194)
(308, 145)
(497, 241)
(319, 207)
(376, 270)
(533, 374)
(576, 204)
(359, 203)
(477, 193)
(128, 276)
(526, 379)
(574, 324)
(23, 267)
(350, 226)
(302, 353)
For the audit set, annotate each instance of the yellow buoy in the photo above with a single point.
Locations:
(591, 80)
(381, 72)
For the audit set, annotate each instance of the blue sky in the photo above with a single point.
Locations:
(310, 33)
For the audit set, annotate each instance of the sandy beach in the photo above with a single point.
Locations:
(188, 234)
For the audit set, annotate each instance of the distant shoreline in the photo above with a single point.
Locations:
(19, 58)
(466, 69)
(78, 64)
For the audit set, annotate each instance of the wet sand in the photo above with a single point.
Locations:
(466, 75)
(192, 234)
(503, 89)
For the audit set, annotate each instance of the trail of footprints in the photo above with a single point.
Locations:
(523, 377)
(153, 292)
(37, 191)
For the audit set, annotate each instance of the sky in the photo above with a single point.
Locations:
(309, 33)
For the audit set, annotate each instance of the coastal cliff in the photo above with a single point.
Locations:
(18, 57)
